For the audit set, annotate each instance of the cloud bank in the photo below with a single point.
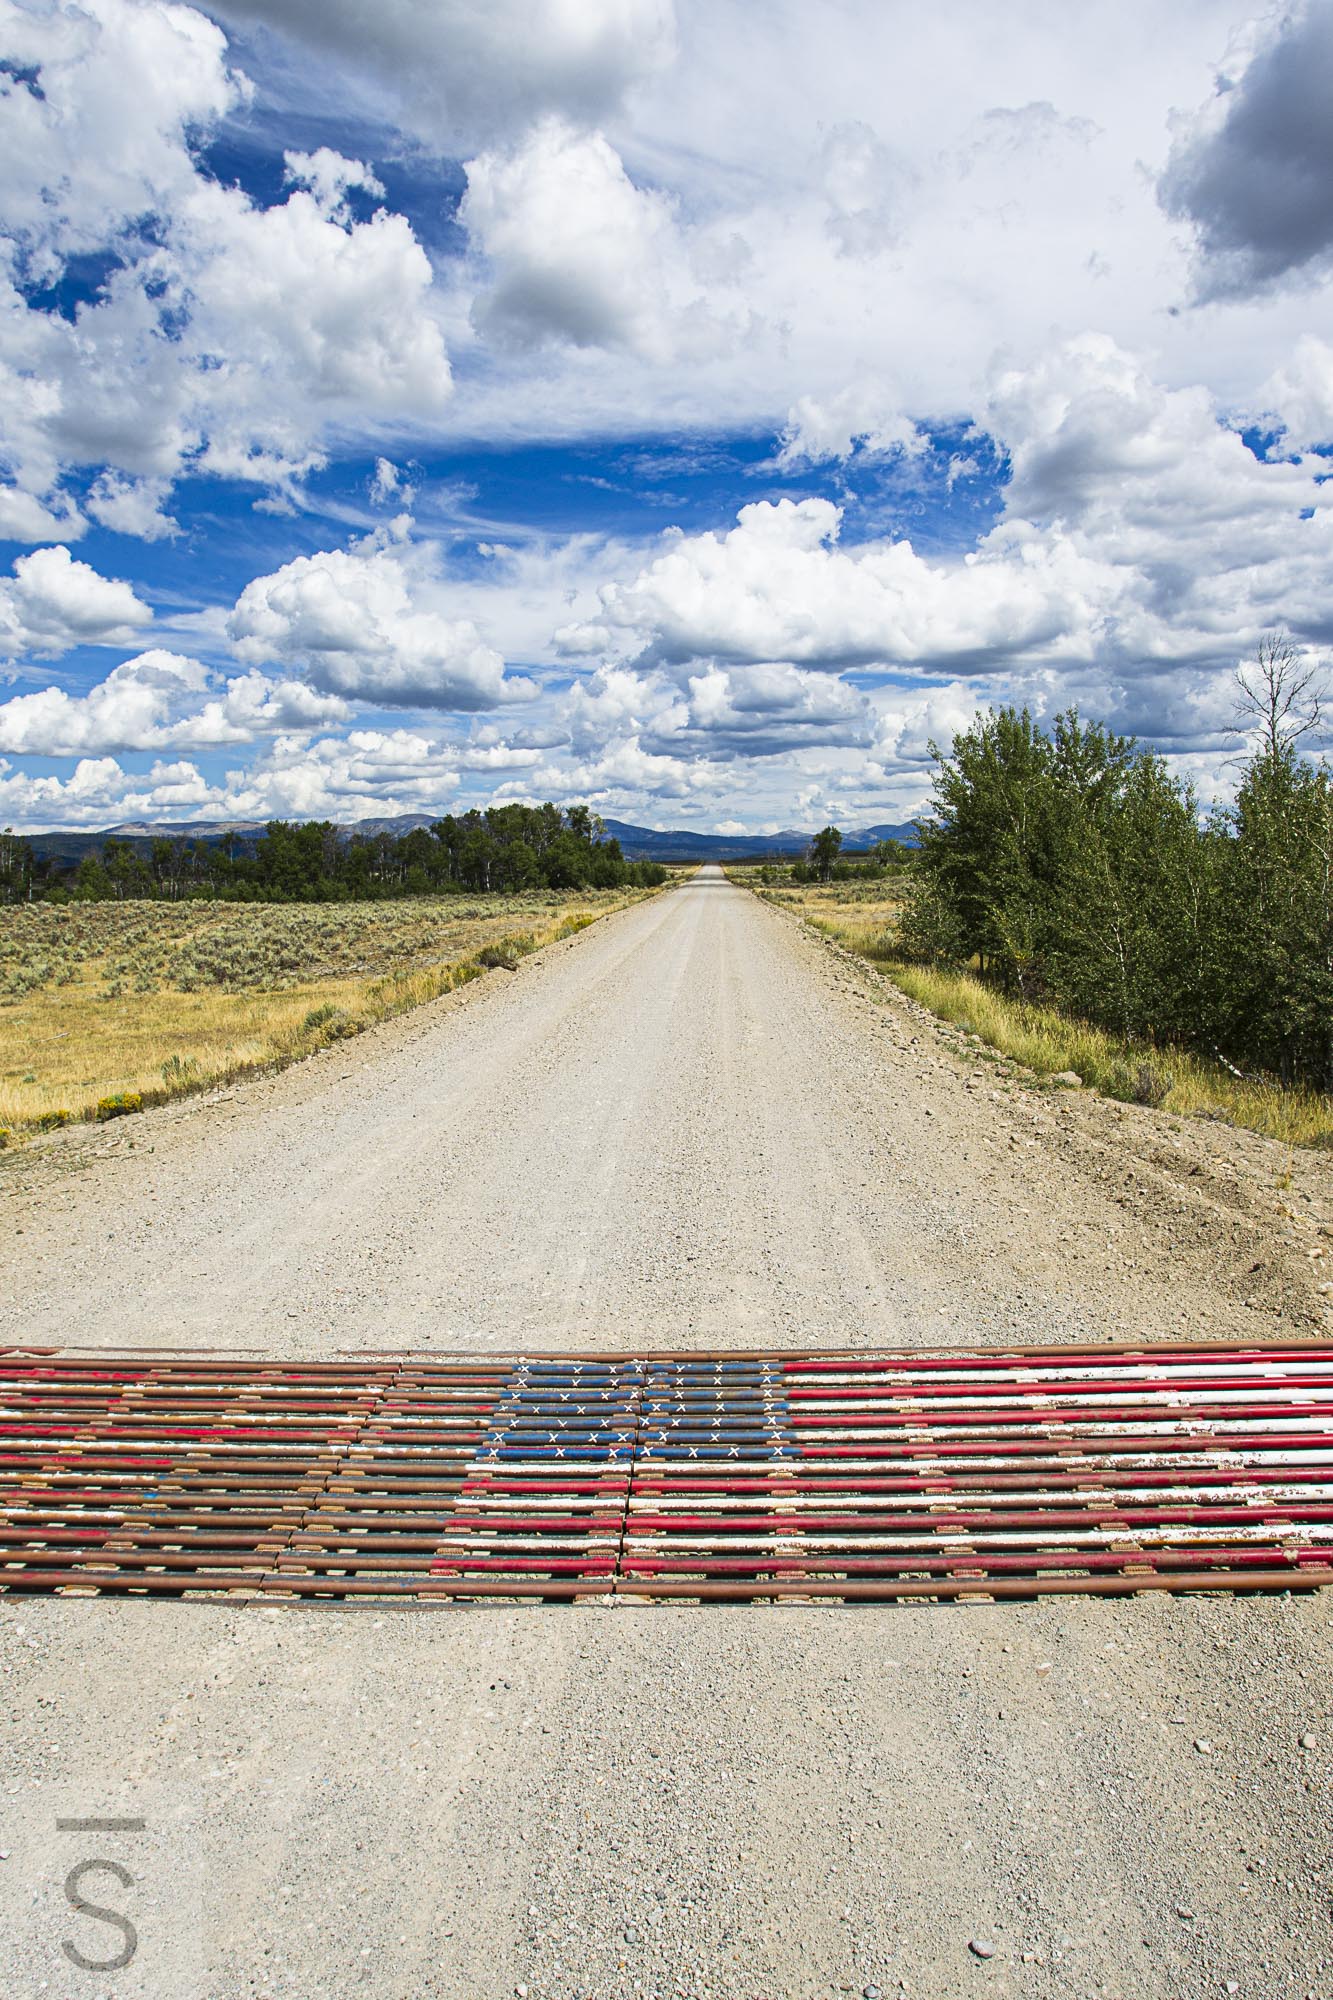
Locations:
(918, 362)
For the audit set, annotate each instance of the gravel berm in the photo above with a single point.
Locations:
(694, 1125)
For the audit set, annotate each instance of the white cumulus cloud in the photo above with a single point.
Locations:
(224, 336)
(1299, 392)
(301, 319)
(330, 176)
(160, 700)
(577, 252)
(1139, 532)
(777, 587)
(126, 711)
(1250, 171)
(100, 140)
(131, 506)
(367, 623)
(54, 603)
(860, 420)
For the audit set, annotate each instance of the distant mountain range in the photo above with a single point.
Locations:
(643, 843)
(638, 843)
(71, 846)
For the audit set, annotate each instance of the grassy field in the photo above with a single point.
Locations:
(863, 917)
(103, 1000)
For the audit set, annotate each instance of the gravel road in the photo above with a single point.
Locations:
(695, 1124)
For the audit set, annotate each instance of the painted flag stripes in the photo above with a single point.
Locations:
(803, 1475)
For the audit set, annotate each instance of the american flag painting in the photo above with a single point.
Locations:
(916, 1473)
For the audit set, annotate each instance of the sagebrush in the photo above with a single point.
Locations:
(100, 1000)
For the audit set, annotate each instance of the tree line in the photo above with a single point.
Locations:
(502, 850)
(1069, 867)
(825, 861)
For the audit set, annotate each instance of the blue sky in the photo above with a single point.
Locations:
(419, 405)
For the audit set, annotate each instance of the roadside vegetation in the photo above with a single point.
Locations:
(109, 1007)
(1071, 904)
(863, 915)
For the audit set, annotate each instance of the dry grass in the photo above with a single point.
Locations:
(861, 915)
(863, 918)
(1170, 1078)
(104, 999)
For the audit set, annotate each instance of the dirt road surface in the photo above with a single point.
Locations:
(695, 1124)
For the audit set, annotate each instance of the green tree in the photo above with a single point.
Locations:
(1275, 1006)
(1128, 900)
(18, 867)
(1276, 1009)
(985, 846)
(505, 848)
(126, 872)
(824, 851)
(1073, 868)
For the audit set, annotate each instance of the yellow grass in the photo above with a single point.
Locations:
(860, 915)
(101, 999)
(1170, 1078)
(863, 918)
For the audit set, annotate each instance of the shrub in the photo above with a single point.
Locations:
(930, 931)
(1150, 1083)
(50, 1121)
(119, 1105)
(317, 1018)
(507, 951)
